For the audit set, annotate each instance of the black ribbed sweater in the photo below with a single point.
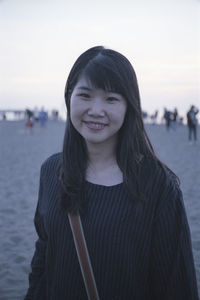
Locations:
(139, 250)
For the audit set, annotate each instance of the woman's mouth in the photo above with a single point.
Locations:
(95, 125)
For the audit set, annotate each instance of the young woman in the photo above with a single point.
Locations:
(130, 203)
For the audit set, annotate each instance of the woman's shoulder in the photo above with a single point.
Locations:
(163, 185)
(157, 178)
(51, 163)
(155, 169)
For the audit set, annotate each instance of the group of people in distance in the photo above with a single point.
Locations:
(36, 115)
(191, 117)
(39, 116)
(172, 119)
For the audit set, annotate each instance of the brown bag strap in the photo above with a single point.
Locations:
(83, 256)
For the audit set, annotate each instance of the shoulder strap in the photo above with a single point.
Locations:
(83, 256)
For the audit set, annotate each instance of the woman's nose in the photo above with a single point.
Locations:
(96, 108)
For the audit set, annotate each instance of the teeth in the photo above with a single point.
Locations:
(95, 125)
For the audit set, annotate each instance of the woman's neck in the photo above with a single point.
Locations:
(102, 165)
(101, 154)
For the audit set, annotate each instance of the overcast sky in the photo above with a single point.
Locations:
(40, 40)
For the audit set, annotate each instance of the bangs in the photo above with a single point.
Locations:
(103, 77)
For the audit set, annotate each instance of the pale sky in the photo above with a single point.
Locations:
(41, 39)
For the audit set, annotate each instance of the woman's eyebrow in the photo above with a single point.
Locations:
(84, 88)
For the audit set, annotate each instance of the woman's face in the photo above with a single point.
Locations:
(96, 114)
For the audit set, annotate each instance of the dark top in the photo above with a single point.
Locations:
(191, 118)
(139, 250)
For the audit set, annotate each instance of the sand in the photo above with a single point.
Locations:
(21, 155)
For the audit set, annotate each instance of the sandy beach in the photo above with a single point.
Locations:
(21, 155)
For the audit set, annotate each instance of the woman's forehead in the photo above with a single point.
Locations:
(85, 84)
(106, 84)
(84, 81)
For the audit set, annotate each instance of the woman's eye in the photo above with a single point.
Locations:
(83, 95)
(112, 99)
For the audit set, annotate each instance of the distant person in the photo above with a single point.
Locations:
(192, 122)
(154, 117)
(55, 114)
(180, 122)
(28, 114)
(144, 116)
(29, 120)
(167, 118)
(43, 116)
(130, 204)
(174, 118)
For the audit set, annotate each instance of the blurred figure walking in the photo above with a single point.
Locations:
(43, 116)
(29, 120)
(154, 117)
(192, 122)
(167, 118)
(174, 118)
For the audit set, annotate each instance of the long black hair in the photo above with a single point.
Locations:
(108, 70)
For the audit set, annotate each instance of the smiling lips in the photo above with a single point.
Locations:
(95, 125)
